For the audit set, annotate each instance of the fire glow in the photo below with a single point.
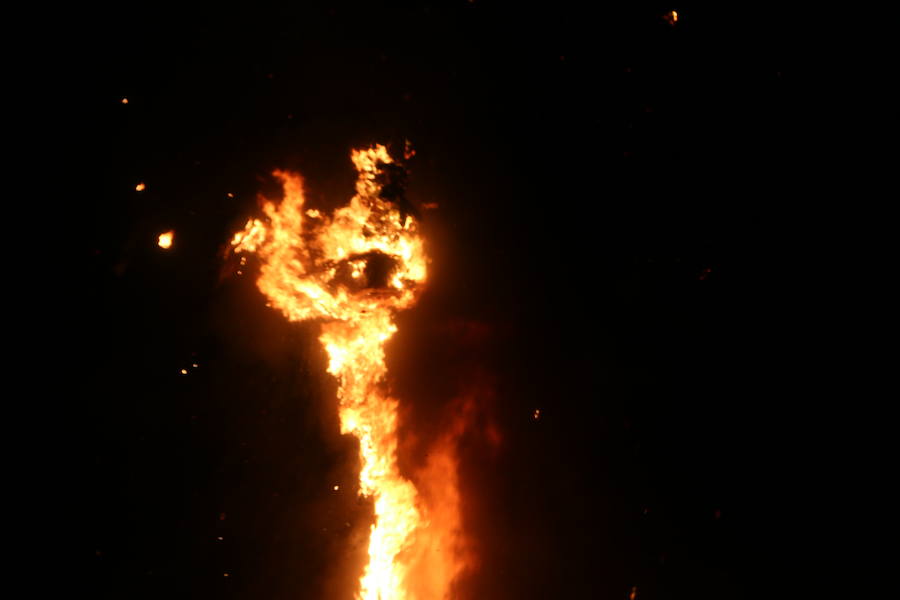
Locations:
(165, 239)
(352, 271)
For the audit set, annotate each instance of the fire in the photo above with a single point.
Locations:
(165, 239)
(353, 270)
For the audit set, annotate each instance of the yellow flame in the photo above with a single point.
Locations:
(166, 239)
(353, 270)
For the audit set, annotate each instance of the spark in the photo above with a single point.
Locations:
(184, 372)
(140, 187)
(124, 100)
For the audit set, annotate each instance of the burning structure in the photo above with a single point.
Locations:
(352, 271)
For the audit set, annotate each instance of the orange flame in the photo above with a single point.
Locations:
(353, 270)
(165, 239)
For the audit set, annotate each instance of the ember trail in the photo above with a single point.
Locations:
(352, 271)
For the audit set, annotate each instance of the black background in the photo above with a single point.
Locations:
(615, 198)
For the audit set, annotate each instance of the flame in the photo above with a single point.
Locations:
(353, 270)
(165, 239)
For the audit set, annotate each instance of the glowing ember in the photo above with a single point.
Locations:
(671, 17)
(140, 187)
(165, 239)
(124, 100)
(353, 270)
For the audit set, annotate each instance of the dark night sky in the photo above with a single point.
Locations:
(611, 196)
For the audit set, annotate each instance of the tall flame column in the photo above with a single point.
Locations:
(352, 270)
